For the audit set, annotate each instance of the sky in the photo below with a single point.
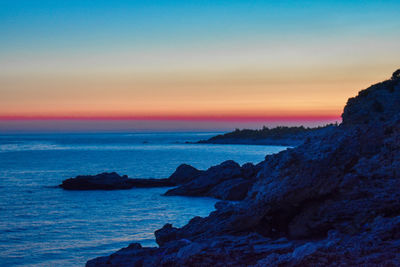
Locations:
(189, 65)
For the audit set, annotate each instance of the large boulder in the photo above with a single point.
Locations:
(234, 189)
(165, 234)
(219, 181)
(184, 173)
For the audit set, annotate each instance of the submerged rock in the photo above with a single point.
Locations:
(333, 201)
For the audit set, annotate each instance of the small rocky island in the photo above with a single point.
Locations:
(332, 201)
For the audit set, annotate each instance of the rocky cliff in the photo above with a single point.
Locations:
(334, 200)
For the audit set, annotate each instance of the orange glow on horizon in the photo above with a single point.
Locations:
(274, 118)
(260, 96)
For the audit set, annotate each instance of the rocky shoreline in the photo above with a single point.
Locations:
(332, 201)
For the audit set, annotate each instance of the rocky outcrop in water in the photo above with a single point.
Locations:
(335, 200)
(227, 181)
(185, 173)
(110, 181)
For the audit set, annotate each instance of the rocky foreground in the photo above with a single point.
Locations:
(333, 201)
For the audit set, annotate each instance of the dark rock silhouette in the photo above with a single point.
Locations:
(110, 181)
(184, 173)
(375, 104)
(333, 201)
(227, 181)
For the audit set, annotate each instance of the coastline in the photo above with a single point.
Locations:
(333, 200)
(278, 136)
(262, 142)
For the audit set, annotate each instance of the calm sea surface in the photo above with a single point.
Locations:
(45, 226)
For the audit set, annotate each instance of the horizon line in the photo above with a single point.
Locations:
(243, 118)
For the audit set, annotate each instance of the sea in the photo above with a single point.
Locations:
(43, 225)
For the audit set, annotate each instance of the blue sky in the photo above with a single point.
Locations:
(82, 24)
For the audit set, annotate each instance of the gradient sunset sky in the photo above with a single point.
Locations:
(143, 65)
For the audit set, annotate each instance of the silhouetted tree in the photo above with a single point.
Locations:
(396, 75)
(265, 132)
